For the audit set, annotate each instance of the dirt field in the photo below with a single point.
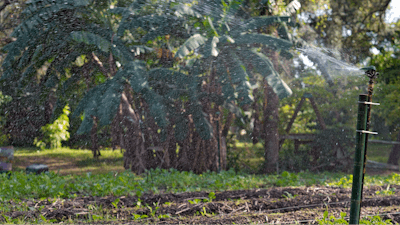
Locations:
(275, 205)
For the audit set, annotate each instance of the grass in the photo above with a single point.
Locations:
(69, 161)
(251, 156)
(75, 173)
(80, 161)
(378, 152)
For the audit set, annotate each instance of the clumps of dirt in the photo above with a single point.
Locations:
(274, 205)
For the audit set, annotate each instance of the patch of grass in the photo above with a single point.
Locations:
(251, 156)
(378, 152)
(69, 161)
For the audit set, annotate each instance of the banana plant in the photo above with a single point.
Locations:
(232, 47)
(236, 45)
(99, 48)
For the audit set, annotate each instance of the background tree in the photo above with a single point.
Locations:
(155, 104)
(388, 90)
(349, 27)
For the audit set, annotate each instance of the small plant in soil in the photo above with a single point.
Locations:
(387, 192)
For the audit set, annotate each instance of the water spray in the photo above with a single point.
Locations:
(362, 132)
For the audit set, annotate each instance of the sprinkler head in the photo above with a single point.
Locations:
(370, 71)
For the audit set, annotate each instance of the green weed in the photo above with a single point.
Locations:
(138, 217)
(52, 185)
(387, 192)
(342, 220)
(194, 201)
(115, 203)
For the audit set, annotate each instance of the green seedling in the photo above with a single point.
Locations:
(332, 219)
(168, 203)
(288, 195)
(211, 197)
(152, 211)
(164, 216)
(115, 203)
(195, 201)
(43, 219)
(342, 220)
(388, 191)
(138, 217)
(204, 212)
(8, 219)
(97, 217)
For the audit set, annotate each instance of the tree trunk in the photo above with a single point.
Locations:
(395, 153)
(135, 149)
(256, 119)
(271, 137)
(223, 137)
(94, 139)
(49, 106)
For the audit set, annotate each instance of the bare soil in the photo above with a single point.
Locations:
(275, 205)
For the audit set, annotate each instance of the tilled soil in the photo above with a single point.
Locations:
(275, 205)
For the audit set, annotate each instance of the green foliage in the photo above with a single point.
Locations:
(190, 44)
(3, 136)
(388, 96)
(55, 133)
(4, 98)
(115, 203)
(139, 217)
(77, 30)
(334, 149)
(287, 179)
(24, 186)
(343, 219)
(346, 181)
(332, 219)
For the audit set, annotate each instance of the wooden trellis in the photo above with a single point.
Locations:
(302, 138)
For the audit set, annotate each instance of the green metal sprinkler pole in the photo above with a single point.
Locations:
(356, 191)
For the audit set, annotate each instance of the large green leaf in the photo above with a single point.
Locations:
(240, 78)
(181, 129)
(283, 32)
(190, 44)
(264, 66)
(169, 76)
(91, 39)
(89, 105)
(157, 108)
(84, 102)
(184, 10)
(210, 47)
(137, 75)
(203, 126)
(110, 101)
(140, 49)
